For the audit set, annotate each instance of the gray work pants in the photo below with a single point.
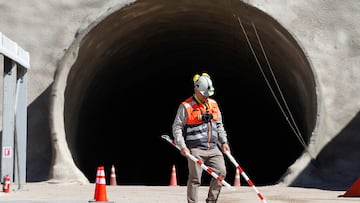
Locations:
(212, 158)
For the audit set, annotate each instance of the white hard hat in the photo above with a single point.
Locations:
(204, 85)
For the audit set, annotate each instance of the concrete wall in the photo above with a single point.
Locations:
(327, 31)
(329, 34)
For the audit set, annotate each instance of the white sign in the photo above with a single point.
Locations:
(7, 152)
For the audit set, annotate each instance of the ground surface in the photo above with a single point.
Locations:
(50, 192)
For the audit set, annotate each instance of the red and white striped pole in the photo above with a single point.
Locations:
(199, 162)
(232, 159)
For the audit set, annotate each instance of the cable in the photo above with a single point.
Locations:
(291, 123)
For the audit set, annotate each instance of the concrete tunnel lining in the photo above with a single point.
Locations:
(126, 75)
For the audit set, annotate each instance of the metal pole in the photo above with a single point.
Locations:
(7, 150)
(20, 127)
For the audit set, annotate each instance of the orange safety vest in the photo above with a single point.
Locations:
(194, 110)
(196, 130)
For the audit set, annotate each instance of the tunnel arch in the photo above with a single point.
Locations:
(127, 74)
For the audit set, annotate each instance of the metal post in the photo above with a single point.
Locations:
(21, 126)
(7, 150)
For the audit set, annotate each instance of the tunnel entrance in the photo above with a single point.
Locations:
(135, 66)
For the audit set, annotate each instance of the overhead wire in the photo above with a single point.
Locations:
(295, 127)
(291, 123)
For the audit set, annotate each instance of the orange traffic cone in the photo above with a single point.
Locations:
(353, 191)
(237, 178)
(173, 181)
(100, 187)
(113, 176)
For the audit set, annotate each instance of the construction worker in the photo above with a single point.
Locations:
(198, 130)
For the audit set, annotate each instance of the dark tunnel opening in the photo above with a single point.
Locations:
(123, 96)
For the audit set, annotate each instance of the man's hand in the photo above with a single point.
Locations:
(185, 151)
(225, 147)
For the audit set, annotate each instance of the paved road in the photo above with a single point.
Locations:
(44, 192)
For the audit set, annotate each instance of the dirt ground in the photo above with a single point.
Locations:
(45, 191)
